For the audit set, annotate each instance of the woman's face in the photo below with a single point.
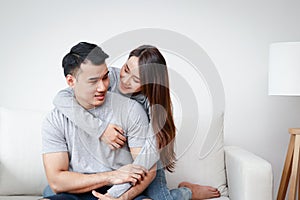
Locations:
(130, 77)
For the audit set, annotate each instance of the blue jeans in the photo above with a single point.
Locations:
(158, 189)
(48, 193)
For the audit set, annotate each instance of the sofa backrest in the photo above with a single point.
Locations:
(21, 168)
(198, 105)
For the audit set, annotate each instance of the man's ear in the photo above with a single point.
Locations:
(70, 80)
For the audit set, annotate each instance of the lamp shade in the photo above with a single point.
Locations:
(284, 69)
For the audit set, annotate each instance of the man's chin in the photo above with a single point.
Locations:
(99, 102)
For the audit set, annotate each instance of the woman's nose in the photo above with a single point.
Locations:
(126, 80)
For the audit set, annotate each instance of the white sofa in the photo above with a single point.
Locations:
(247, 176)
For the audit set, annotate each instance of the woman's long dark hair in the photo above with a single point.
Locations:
(155, 86)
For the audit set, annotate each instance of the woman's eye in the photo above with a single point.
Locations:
(136, 80)
(126, 69)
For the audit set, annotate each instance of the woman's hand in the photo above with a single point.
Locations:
(113, 136)
(103, 196)
(128, 173)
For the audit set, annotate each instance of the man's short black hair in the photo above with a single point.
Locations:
(81, 53)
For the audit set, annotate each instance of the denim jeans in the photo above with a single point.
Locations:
(158, 189)
(49, 194)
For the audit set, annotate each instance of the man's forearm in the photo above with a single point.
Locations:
(61, 179)
(73, 182)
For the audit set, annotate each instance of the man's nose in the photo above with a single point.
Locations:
(100, 86)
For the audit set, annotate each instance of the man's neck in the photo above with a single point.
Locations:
(83, 104)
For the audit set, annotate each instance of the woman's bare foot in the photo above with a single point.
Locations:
(200, 192)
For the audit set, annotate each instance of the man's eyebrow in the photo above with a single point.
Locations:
(97, 78)
(106, 74)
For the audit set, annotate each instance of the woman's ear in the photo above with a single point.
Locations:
(70, 80)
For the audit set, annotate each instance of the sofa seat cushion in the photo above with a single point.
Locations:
(221, 198)
(21, 168)
(20, 197)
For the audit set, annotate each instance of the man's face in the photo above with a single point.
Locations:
(90, 84)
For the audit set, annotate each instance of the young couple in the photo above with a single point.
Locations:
(111, 134)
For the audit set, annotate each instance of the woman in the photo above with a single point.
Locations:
(144, 78)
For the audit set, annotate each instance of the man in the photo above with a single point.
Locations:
(77, 163)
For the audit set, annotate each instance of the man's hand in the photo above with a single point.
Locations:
(128, 173)
(113, 136)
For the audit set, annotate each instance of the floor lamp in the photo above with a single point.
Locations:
(284, 73)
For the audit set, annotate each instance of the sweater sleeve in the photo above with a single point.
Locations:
(66, 103)
(147, 157)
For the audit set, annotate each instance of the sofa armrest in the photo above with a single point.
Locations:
(248, 176)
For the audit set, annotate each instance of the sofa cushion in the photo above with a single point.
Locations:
(21, 168)
(195, 166)
(20, 197)
(199, 141)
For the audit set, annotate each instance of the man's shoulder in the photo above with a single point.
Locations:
(119, 99)
(125, 105)
(54, 113)
(54, 117)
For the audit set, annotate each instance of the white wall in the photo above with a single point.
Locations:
(236, 35)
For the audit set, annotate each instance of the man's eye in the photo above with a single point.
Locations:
(93, 82)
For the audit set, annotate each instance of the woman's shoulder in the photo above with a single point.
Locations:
(114, 70)
(114, 75)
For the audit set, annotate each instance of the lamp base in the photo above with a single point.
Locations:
(291, 167)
